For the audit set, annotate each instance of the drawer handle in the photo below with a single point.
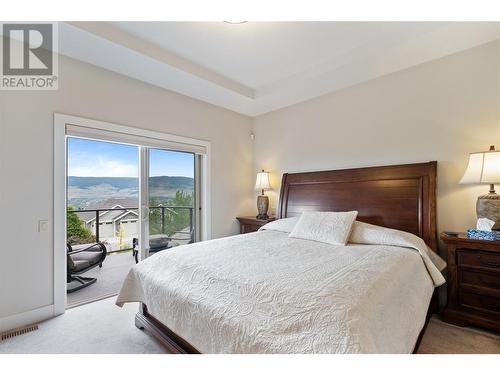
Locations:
(491, 264)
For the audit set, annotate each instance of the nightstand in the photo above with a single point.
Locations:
(250, 224)
(473, 281)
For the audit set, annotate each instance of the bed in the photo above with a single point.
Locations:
(267, 293)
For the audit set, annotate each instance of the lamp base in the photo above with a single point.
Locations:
(262, 207)
(488, 206)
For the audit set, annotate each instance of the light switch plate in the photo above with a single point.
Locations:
(43, 225)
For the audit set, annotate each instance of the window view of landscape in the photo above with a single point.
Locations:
(102, 206)
(103, 193)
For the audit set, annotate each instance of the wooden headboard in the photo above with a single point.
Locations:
(398, 196)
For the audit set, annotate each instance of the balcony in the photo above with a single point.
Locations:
(118, 228)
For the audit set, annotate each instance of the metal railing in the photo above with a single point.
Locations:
(162, 209)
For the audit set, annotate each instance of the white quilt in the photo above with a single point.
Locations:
(264, 292)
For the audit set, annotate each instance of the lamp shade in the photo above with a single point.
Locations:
(483, 168)
(262, 181)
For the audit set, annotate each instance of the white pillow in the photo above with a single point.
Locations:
(330, 227)
(281, 225)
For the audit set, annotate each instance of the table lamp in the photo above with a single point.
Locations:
(262, 183)
(484, 168)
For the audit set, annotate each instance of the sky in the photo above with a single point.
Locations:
(88, 158)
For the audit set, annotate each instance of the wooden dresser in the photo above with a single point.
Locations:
(250, 224)
(473, 281)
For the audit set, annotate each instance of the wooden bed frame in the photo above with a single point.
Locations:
(399, 196)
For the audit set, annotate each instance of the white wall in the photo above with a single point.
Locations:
(26, 164)
(441, 110)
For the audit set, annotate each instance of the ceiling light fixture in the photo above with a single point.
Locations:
(236, 22)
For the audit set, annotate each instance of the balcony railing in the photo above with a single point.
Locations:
(166, 224)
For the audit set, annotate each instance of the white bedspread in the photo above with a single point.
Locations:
(267, 293)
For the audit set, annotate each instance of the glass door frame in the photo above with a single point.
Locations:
(68, 125)
(144, 197)
(143, 202)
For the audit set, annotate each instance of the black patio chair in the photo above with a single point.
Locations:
(81, 259)
(157, 242)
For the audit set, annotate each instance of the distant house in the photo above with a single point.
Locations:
(114, 212)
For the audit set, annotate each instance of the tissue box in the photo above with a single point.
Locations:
(483, 235)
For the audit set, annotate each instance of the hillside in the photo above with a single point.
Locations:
(84, 191)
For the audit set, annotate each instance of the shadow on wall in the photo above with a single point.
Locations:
(450, 194)
(274, 192)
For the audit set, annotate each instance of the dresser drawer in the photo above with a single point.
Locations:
(478, 278)
(249, 228)
(482, 302)
(249, 224)
(478, 258)
(473, 284)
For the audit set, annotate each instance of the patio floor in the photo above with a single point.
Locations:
(109, 279)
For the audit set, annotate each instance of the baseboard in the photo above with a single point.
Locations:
(29, 317)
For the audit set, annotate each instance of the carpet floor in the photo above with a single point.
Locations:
(101, 327)
(96, 328)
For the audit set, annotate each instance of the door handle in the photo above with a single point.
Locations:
(145, 212)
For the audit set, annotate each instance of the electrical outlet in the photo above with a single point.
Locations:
(43, 225)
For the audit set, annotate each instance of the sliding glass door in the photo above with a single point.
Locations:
(168, 199)
(170, 192)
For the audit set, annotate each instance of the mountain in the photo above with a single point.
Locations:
(117, 182)
(86, 191)
(163, 182)
(171, 182)
(167, 186)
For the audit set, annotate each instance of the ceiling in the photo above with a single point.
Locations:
(259, 54)
(257, 67)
